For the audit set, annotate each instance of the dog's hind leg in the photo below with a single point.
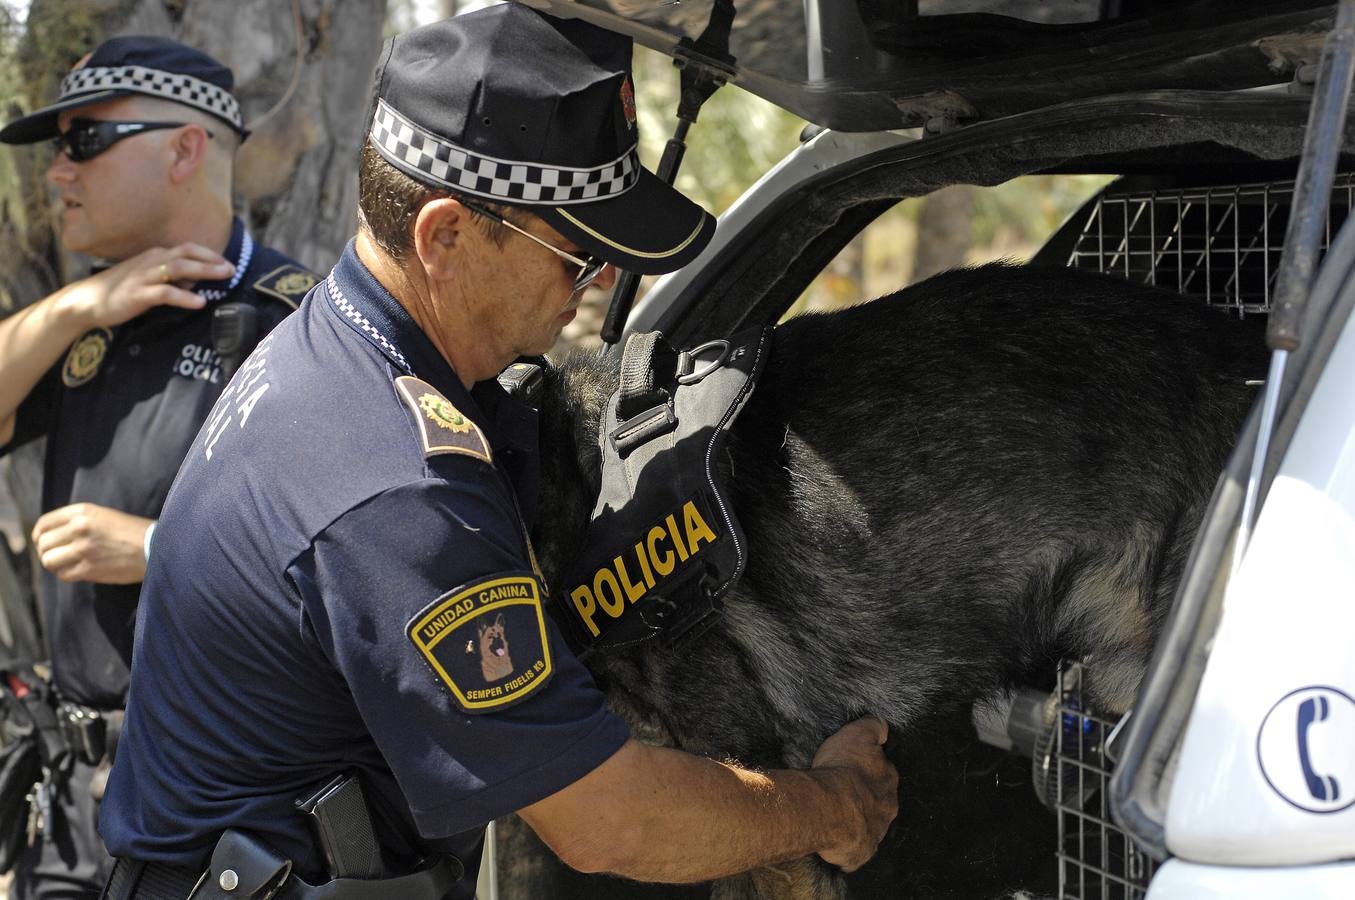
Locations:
(800, 879)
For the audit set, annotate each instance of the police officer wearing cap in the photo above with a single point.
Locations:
(118, 371)
(345, 600)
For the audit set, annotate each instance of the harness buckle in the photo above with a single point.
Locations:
(687, 373)
(642, 427)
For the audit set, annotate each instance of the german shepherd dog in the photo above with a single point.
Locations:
(944, 492)
(495, 663)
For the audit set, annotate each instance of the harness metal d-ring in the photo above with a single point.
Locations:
(689, 355)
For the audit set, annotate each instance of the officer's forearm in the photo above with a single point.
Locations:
(34, 338)
(662, 815)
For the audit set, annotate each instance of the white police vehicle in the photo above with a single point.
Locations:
(1235, 775)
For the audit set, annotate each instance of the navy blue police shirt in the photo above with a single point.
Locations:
(342, 581)
(120, 411)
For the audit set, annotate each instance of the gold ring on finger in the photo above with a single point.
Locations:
(164, 273)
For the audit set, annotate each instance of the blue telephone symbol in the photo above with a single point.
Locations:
(1323, 787)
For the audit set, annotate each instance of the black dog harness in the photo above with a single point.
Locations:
(663, 544)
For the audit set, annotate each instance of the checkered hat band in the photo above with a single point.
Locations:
(408, 147)
(183, 89)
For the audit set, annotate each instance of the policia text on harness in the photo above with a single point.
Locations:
(663, 544)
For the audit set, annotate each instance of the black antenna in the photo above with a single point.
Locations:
(705, 65)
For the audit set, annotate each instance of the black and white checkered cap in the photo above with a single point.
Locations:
(430, 158)
(137, 64)
(180, 88)
(510, 105)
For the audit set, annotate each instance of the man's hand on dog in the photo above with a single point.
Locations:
(853, 764)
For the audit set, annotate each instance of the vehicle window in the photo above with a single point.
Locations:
(960, 225)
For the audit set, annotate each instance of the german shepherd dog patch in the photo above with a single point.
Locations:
(486, 641)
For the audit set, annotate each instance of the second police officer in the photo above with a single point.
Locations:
(118, 371)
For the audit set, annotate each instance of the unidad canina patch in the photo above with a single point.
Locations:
(85, 357)
(487, 641)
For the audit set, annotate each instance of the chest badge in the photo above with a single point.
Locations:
(85, 357)
(294, 283)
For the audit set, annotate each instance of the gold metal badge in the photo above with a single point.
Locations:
(287, 283)
(440, 410)
(442, 427)
(86, 355)
(294, 283)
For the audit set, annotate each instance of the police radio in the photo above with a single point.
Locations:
(235, 331)
(525, 379)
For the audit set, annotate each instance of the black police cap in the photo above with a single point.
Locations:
(136, 64)
(509, 105)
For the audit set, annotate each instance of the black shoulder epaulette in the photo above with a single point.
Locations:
(287, 283)
(442, 427)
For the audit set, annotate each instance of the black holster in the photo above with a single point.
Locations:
(245, 868)
(254, 871)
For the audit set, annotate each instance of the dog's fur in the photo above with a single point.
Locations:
(495, 662)
(944, 492)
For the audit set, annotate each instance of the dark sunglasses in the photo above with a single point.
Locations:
(589, 266)
(87, 138)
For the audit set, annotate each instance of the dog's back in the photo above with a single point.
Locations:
(952, 486)
(944, 491)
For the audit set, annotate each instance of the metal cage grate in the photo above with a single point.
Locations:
(1221, 244)
(1097, 860)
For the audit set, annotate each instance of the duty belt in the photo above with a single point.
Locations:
(664, 546)
(244, 868)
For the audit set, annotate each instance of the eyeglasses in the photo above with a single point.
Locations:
(87, 138)
(589, 266)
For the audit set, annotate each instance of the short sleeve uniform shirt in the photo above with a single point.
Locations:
(119, 411)
(342, 581)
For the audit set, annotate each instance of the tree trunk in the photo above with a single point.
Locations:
(302, 71)
(944, 231)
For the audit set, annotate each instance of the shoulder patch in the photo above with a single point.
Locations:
(287, 283)
(442, 426)
(486, 641)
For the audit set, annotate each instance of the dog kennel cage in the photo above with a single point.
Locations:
(1220, 244)
(1096, 859)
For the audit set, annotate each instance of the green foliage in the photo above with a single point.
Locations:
(10, 217)
(1031, 207)
(737, 136)
(54, 36)
(9, 44)
(35, 52)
